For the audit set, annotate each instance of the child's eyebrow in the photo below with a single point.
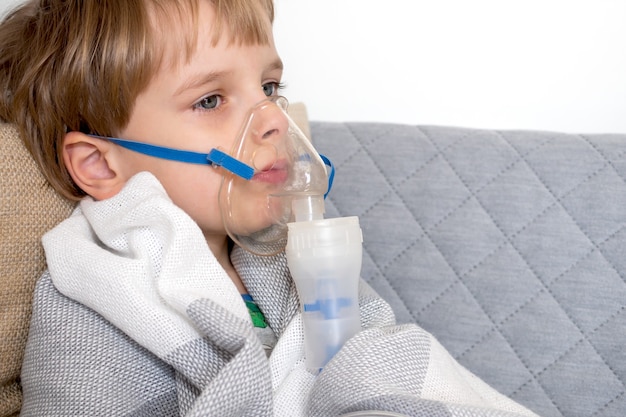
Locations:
(203, 79)
(276, 65)
(199, 80)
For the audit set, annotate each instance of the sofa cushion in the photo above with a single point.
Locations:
(28, 208)
(507, 245)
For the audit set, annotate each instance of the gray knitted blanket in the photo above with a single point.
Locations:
(136, 317)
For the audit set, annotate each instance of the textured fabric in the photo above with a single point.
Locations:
(137, 317)
(28, 208)
(507, 245)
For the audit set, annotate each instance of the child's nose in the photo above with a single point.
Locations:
(270, 132)
(270, 122)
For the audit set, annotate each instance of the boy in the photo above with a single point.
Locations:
(141, 309)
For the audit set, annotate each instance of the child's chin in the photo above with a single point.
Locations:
(253, 226)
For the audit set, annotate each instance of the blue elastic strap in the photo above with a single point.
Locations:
(215, 157)
(331, 175)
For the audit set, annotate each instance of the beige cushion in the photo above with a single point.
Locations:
(29, 208)
(298, 113)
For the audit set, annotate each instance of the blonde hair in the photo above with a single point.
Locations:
(76, 65)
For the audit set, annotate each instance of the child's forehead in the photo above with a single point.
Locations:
(179, 27)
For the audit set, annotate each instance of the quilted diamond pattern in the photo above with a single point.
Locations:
(507, 245)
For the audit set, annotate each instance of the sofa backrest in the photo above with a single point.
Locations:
(508, 246)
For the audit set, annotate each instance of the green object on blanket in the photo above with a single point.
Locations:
(258, 319)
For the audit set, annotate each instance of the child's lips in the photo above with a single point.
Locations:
(276, 174)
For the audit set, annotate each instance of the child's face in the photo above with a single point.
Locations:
(198, 105)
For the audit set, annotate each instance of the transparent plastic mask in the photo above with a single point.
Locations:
(289, 181)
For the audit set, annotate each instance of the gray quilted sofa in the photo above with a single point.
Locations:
(508, 246)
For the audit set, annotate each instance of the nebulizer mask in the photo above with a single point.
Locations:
(272, 199)
(288, 184)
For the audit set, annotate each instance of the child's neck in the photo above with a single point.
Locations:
(222, 254)
(234, 276)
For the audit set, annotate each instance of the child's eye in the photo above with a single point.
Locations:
(208, 103)
(272, 88)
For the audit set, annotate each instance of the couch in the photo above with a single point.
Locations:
(506, 245)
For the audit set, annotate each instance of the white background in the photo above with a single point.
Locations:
(532, 64)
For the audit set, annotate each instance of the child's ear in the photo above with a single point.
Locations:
(92, 163)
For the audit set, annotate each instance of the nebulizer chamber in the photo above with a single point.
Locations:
(323, 255)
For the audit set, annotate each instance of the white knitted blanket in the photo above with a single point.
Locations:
(136, 317)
